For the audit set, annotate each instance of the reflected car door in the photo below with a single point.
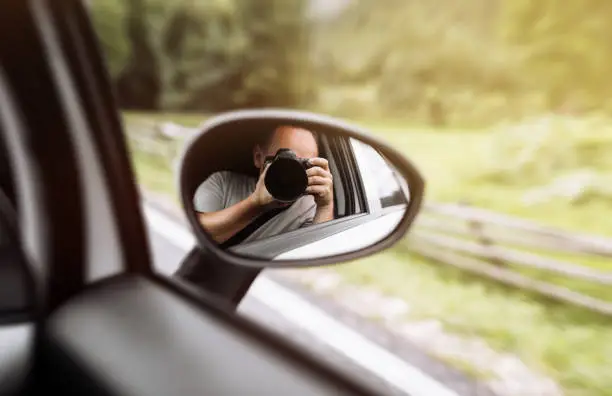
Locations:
(386, 195)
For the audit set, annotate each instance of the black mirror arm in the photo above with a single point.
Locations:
(227, 281)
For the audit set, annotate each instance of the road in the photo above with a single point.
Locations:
(289, 312)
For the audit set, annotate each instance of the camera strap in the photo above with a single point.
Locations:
(243, 234)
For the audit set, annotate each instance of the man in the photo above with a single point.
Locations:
(227, 202)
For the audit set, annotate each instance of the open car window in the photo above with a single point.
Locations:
(383, 186)
(340, 202)
(349, 196)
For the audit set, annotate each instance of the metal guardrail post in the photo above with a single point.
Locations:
(478, 230)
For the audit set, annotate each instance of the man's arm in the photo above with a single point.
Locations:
(324, 214)
(225, 223)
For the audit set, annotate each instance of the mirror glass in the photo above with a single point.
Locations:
(291, 191)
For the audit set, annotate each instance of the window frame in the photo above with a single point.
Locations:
(371, 187)
(349, 194)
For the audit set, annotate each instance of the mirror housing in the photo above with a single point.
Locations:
(217, 140)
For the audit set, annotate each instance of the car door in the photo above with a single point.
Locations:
(112, 326)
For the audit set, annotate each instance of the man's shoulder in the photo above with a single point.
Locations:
(230, 179)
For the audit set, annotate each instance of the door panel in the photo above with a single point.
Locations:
(134, 337)
(16, 303)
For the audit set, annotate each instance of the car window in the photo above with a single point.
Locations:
(504, 104)
(382, 184)
(347, 189)
(340, 202)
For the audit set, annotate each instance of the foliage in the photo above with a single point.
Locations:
(138, 85)
(108, 18)
(426, 58)
(536, 152)
(200, 46)
(444, 62)
(566, 46)
(471, 54)
(576, 187)
(567, 344)
(275, 68)
(206, 56)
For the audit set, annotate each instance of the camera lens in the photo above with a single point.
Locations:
(286, 179)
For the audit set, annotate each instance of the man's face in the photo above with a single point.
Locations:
(301, 141)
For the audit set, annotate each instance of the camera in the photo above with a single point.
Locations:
(286, 178)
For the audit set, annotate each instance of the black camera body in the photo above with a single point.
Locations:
(286, 179)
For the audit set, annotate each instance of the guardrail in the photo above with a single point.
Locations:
(159, 139)
(495, 246)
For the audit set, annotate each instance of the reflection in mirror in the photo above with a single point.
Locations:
(308, 194)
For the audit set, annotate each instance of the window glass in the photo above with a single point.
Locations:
(504, 104)
(381, 180)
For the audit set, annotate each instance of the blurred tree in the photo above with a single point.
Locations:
(206, 55)
(275, 64)
(404, 47)
(138, 84)
(235, 54)
(435, 106)
(199, 48)
(108, 18)
(567, 47)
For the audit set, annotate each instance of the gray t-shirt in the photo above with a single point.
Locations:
(224, 189)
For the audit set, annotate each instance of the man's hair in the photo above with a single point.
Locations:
(266, 137)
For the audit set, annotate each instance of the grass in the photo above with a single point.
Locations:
(190, 120)
(449, 160)
(153, 173)
(571, 345)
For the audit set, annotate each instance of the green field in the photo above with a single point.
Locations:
(570, 345)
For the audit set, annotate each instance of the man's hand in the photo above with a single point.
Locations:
(321, 187)
(261, 197)
(320, 182)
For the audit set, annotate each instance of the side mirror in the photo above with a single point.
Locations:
(281, 188)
